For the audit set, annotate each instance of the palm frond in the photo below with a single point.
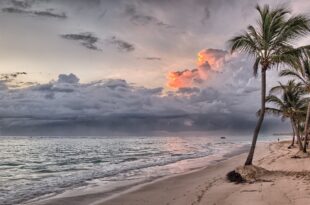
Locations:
(255, 66)
(290, 73)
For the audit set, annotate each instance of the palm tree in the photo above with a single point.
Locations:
(291, 105)
(271, 43)
(301, 71)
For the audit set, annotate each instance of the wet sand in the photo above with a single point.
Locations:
(288, 182)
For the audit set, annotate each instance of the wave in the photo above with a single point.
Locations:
(74, 165)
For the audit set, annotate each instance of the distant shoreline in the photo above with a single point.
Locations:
(282, 134)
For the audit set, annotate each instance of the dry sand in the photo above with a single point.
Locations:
(287, 183)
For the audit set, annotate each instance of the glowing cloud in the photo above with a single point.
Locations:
(209, 60)
(181, 79)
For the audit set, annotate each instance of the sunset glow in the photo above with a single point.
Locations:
(180, 79)
(208, 60)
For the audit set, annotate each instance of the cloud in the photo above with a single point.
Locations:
(9, 80)
(64, 84)
(87, 40)
(10, 76)
(53, 88)
(184, 78)
(66, 101)
(71, 78)
(214, 94)
(22, 7)
(209, 61)
(21, 3)
(206, 15)
(120, 44)
(188, 90)
(15, 10)
(224, 83)
(152, 58)
(50, 13)
(66, 106)
(212, 59)
(142, 19)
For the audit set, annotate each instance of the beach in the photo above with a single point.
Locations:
(149, 102)
(288, 182)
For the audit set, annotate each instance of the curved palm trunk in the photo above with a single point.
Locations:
(306, 129)
(294, 133)
(260, 120)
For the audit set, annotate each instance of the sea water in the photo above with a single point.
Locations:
(32, 167)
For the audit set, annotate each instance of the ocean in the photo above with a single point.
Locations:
(32, 168)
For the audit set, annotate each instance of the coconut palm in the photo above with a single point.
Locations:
(271, 43)
(290, 105)
(301, 71)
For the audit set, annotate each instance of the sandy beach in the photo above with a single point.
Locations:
(288, 182)
(155, 102)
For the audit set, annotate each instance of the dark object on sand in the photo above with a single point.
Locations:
(223, 137)
(234, 176)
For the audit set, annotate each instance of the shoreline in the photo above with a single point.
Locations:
(97, 196)
(91, 194)
(287, 183)
(208, 185)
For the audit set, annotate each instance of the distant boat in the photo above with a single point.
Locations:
(223, 137)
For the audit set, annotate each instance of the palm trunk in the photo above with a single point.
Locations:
(294, 133)
(296, 126)
(306, 129)
(249, 159)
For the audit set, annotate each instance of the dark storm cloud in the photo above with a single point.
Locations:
(87, 40)
(120, 44)
(115, 106)
(135, 124)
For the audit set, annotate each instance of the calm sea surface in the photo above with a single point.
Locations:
(32, 167)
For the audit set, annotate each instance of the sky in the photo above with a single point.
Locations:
(123, 67)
